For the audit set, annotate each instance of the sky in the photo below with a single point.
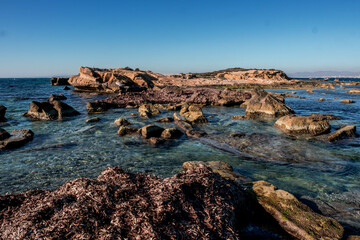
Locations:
(42, 38)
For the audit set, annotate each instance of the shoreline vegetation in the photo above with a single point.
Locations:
(207, 200)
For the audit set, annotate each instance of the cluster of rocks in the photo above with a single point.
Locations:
(204, 201)
(51, 110)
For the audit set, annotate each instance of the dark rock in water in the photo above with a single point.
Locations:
(265, 104)
(2, 113)
(96, 107)
(125, 130)
(122, 122)
(57, 81)
(151, 131)
(196, 204)
(321, 117)
(171, 133)
(313, 125)
(156, 140)
(165, 120)
(237, 135)
(94, 119)
(66, 88)
(54, 97)
(18, 138)
(4, 134)
(50, 110)
(187, 127)
(148, 110)
(348, 131)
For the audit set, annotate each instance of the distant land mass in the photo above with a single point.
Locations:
(325, 74)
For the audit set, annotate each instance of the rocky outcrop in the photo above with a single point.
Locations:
(50, 110)
(171, 133)
(122, 122)
(126, 130)
(264, 104)
(293, 216)
(193, 114)
(151, 131)
(148, 110)
(312, 125)
(344, 132)
(17, 138)
(57, 81)
(255, 74)
(112, 80)
(2, 113)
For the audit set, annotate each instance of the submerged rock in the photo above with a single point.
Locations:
(50, 110)
(17, 138)
(2, 113)
(265, 104)
(303, 125)
(348, 131)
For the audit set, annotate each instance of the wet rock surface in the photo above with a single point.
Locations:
(54, 97)
(17, 138)
(196, 204)
(345, 132)
(122, 122)
(148, 110)
(126, 130)
(313, 125)
(265, 104)
(2, 113)
(193, 114)
(151, 131)
(50, 110)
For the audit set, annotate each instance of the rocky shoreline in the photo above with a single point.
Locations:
(206, 200)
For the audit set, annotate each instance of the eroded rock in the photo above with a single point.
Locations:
(50, 110)
(18, 138)
(122, 122)
(126, 130)
(193, 114)
(348, 131)
(151, 131)
(148, 110)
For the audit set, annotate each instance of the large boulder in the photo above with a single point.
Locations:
(57, 81)
(18, 138)
(348, 131)
(151, 131)
(265, 104)
(50, 110)
(148, 110)
(2, 113)
(303, 125)
(193, 114)
(293, 216)
(171, 133)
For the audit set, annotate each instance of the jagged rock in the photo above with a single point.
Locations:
(54, 97)
(171, 133)
(303, 125)
(122, 122)
(264, 104)
(4, 134)
(348, 131)
(50, 110)
(148, 110)
(111, 80)
(293, 216)
(2, 113)
(165, 120)
(125, 130)
(193, 114)
(238, 117)
(347, 101)
(151, 131)
(57, 81)
(18, 138)
(94, 119)
(96, 107)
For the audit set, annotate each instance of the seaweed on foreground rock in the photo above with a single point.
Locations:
(197, 204)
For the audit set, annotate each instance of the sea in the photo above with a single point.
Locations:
(66, 149)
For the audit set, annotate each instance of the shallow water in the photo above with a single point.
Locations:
(63, 150)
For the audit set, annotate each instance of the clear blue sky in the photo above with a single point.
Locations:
(48, 37)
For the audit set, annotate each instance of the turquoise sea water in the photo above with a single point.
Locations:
(72, 148)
